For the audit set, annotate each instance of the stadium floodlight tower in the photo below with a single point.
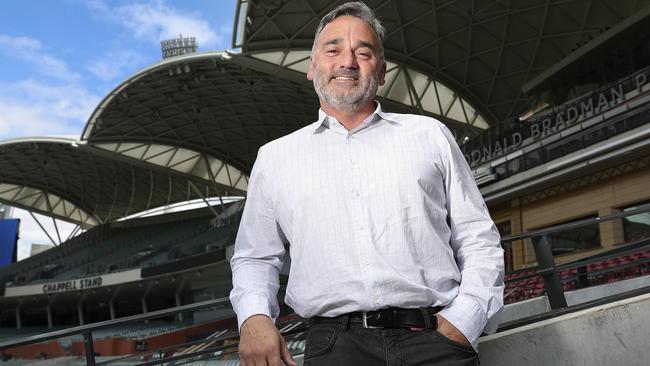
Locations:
(178, 46)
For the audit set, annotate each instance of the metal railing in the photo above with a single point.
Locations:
(547, 268)
(87, 330)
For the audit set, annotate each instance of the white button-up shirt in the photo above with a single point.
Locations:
(387, 214)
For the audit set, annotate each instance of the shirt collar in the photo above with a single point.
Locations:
(324, 120)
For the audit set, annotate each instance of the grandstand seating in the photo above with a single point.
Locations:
(23, 270)
(525, 284)
(132, 331)
(125, 245)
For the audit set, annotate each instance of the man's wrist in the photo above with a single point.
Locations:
(256, 318)
(466, 316)
(447, 329)
(251, 305)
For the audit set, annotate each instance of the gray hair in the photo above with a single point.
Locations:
(359, 10)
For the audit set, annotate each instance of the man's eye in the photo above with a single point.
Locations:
(332, 52)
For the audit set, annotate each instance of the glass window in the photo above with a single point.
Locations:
(515, 165)
(620, 126)
(638, 119)
(534, 158)
(575, 239)
(554, 151)
(501, 171)
(595, 136)
(637, 226)
(571, 146)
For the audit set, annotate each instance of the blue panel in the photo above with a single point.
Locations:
(8, 241)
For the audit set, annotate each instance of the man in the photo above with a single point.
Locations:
(394, 256)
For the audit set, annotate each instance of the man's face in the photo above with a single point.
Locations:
(346, 66)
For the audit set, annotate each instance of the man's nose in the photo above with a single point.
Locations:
(348, 60)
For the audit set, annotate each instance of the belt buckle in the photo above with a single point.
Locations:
(364, 320)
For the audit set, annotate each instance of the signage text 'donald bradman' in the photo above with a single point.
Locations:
(563, 117)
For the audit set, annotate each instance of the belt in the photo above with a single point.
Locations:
(387, 318)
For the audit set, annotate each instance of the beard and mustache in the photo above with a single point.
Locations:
(349, 100)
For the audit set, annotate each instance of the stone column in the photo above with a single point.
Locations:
(19, 318)
(611, 232)
(177, 298)
(50, 321)
(111, 308)
(80, 311)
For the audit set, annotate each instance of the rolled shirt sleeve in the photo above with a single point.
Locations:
(476, 245)
(259, 249)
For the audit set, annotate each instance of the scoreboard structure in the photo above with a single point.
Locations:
(8, 241)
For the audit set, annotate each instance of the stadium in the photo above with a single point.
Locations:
(548, 100)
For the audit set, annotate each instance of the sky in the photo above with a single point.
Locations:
(59, 58)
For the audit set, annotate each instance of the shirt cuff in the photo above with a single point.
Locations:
(467, 316)
(252, 305)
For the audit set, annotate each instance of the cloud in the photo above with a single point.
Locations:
(55, 104)
(115, 64)
(33, 107)
(155, 21)
(32, 51)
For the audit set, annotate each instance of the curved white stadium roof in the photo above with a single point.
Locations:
(200, 114)
(61, 178)
(207, 114)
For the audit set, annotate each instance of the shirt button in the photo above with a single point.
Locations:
(357, 194)
(367, 262)
(376, 300)
(360, 228)
(354, 162)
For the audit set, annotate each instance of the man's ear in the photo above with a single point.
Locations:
(310, 75)
(382, 74)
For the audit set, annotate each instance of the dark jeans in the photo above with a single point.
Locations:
(343, 344)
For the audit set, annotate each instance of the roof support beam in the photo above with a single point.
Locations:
(74, 232)
(197, 191)
(213, 179)
(50, 209)
(42, 228)
(56, 228)
(585, 50)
